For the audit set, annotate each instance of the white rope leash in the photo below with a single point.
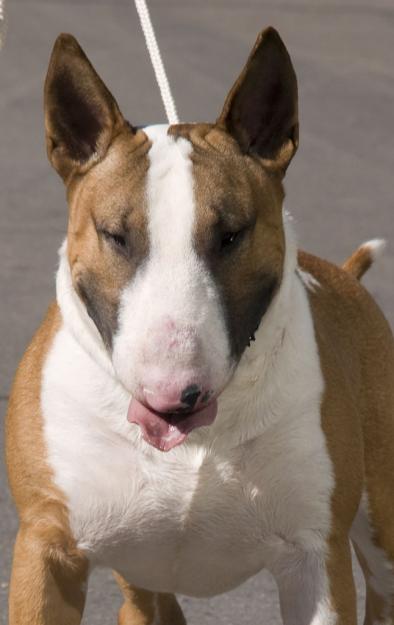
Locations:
(157, 62)
(2, 24)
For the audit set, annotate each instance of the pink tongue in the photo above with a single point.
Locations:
(166, 431)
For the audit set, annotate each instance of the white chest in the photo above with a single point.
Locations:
(249, 491)
(198, 520)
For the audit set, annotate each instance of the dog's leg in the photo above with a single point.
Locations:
(142, 607)
(375, 549)
(318, 588)
(379, 601)
(374, 546)
(48, 582)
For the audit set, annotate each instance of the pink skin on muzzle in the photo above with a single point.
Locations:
(166, 421)
(168, 407)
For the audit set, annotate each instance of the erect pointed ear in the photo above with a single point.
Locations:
(81, 116)
(261, 110)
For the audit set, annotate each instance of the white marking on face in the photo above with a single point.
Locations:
(171, 327)
(170, 196)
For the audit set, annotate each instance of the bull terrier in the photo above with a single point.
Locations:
(203, 400)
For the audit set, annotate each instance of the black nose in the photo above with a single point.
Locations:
(190, 394)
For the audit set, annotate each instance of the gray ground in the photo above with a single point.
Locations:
(339, 187)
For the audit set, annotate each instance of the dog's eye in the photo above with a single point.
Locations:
(118, 239)
(229, 238)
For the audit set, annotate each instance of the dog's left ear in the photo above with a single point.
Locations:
(261, 110)
(81, 115)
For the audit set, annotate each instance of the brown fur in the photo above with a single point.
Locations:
(48, 570)
(109, 198)
(102, 161)
(49, 575)
(145, 608)
(359, 262)
(234, 193)
(238, 166)
(104, 175)
(355, 342)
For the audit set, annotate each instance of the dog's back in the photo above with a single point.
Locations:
(357, 356)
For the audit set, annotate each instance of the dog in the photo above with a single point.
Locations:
(203, 400)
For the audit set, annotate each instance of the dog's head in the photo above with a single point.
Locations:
(175, 239)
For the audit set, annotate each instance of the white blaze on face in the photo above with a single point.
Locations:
(171, 330)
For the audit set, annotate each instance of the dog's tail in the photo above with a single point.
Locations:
(361, 260)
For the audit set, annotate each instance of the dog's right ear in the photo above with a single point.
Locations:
(81, 116)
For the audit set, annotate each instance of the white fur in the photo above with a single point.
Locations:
(251, 491)
(304, 592)
(376, 247)
(172, 287)
(308, 280)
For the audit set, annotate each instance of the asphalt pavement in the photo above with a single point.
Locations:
(339, 187)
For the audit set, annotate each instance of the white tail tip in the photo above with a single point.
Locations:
(376, 247)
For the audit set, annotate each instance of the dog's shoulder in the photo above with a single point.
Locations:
(32, 362)
(25, 451)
